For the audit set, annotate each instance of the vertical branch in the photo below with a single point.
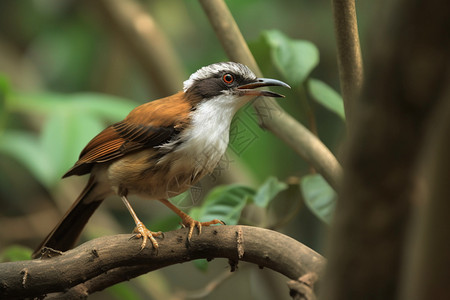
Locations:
(348, 54)
(229, 34)
(271, 115)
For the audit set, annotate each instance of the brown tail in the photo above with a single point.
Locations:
(64, 236)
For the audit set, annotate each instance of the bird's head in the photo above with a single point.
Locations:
(229, 83)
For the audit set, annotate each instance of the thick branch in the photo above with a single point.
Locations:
(271, 115)
(405, 79)
(121, 258)
(348, 54)
(428, 271)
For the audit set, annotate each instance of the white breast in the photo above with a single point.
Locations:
(206, 141)
(207, 138)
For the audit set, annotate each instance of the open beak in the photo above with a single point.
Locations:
(249, 88)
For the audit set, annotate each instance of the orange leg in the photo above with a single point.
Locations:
(140, 229)
(187, 221)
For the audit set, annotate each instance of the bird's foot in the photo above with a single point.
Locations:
(142, 232)
(187, 221)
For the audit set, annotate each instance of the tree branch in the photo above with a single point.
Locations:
(271, 115)
(348, 54)
(108, 260)
(145, 41)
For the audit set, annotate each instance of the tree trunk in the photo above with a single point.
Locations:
(404, 84)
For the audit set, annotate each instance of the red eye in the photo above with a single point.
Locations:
(228, 78)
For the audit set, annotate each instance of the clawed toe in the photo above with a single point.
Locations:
(191, 224)
(142, 232)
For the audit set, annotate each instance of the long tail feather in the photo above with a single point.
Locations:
(64, 236)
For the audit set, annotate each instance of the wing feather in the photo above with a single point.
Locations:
(148, 125)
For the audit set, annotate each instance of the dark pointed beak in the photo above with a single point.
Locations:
(249, 88)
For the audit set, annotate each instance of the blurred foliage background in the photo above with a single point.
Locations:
(65, 75)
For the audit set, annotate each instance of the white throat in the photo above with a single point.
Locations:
(212, 119)
(207, 138)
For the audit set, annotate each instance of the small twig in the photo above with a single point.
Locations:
(106, 261)
(271, 115)
(348, 54)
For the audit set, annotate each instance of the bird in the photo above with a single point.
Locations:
(160, 149)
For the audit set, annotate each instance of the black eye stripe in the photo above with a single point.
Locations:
(215, 85)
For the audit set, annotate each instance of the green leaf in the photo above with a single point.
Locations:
(295, 59)
(268, 190)
(319, 196)
(326, 96)
(224, 203)
(15, 253)
(26, 149)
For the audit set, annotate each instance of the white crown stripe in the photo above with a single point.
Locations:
(208, 71)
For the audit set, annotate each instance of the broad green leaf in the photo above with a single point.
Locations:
(295, 59)
(326, 96)
(268, 190)
(224, 203)
(319, 196)
(26, 149)
(15, 253)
